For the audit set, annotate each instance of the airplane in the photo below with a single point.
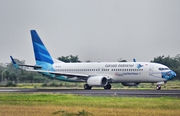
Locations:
(101, 74)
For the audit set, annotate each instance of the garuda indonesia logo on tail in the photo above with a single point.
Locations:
(139, 66)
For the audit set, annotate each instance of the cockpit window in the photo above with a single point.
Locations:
(163, 69)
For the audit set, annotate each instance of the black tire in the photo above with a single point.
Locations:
(158, 87)
(87, 87)
(107, 87)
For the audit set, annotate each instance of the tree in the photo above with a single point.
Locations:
(69, 58)
(16, 75)
(1, 70)
(74, 58)
(172, 62)
(168, 61)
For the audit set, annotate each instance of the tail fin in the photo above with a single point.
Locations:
(40, 52)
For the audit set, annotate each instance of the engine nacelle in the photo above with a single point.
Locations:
(130, 84)
(97, 81)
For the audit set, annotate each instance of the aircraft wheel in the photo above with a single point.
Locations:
(158, 87)
(87, 87)
(108, 86)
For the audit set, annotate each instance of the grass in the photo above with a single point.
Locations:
(38, 104)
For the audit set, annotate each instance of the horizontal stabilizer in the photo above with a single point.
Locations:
(26, 65)
(14, 63)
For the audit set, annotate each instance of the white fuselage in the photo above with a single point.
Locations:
(115, 71)
(96, 74)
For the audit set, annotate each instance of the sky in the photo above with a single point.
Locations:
(96, 30)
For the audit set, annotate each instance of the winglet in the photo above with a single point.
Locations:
(134, 60)
(14, 63)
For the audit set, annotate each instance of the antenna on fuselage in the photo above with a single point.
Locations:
(134, 60)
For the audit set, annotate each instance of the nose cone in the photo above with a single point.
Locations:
(173, 74)
(168, 75)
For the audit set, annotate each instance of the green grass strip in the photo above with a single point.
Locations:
(91, 101)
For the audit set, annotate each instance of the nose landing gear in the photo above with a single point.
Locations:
(158, 87)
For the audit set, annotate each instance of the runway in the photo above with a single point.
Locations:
(100, 92)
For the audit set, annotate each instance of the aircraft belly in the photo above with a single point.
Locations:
(72, 79)
(137, 78)
(156, 79)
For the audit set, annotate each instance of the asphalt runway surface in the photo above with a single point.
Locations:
(99, 92)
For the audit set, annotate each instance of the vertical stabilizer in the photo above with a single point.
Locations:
(40, 52)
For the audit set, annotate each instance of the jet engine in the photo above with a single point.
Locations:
(130, 84)
(97, 81)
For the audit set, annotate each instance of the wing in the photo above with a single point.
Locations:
(69, 75)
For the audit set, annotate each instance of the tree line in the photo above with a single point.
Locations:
(9, 73)
(172, 62)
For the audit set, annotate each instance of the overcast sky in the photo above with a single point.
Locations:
(96, 30)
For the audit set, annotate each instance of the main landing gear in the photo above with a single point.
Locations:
(108, 86)
(158, 87)
(87, 87)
